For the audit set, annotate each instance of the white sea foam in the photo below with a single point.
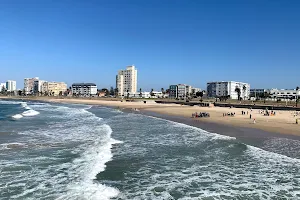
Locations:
(30, 113)
(17, 116)
(75, 179)
(12, 145)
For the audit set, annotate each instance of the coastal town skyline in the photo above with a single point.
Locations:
(194, 43)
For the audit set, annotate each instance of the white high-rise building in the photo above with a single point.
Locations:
(11, 85)
(29, 84)
(228, 88)
(126, 81)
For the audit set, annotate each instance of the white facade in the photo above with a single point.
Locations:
(284, 94)
(181, 90)
(139, 95)
(11, 85)
(29, 84)
(38, 86)
(126, 81)
(84, 89)
(228, 88)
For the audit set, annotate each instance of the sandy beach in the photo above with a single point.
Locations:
(283, 122)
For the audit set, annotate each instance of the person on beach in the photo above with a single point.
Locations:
(250, 116)
(254, 121)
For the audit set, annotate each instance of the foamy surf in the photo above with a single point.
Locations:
(17, 116)
(30, 113)
(88, 165)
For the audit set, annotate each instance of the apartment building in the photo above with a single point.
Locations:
(173, 91)
(54, 88)
(29, 84)
(180, 91)
(38, 86)
(84, 89)
(228, 88)
(11, 86)
(126, 81)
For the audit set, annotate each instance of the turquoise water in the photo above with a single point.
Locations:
(63, 151)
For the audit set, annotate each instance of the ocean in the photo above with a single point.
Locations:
(66, 151)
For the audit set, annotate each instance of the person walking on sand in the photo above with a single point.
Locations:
(254, 121)
(250, 116)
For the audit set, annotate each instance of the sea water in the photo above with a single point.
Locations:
(64, 151)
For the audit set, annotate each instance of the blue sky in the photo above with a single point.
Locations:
(192, 42)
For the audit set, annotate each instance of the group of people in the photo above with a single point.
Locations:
(229, 114)
(200, 114)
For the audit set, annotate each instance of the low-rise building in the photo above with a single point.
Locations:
(228, 89)
(54, 88)
(284, 93)
(258, 92)
(11, 86)
(84, 89)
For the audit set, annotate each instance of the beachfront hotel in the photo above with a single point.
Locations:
(84, 89)
(228, 88)
(11, 86)
(29, 84)
(54, 88)
(126, 81)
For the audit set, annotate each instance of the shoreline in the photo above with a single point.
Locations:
(278, 126)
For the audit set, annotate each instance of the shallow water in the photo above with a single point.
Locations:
(83, 152)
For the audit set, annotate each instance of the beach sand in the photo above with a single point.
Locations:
(283, 122)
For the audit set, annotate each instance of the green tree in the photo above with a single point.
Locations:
(244, 91)
(238, 91)
(3, 90)
(200, 94)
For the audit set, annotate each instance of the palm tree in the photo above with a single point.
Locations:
(151, 93)
(297, 88)
(244, 91)
(163, 92)
(238, 91)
